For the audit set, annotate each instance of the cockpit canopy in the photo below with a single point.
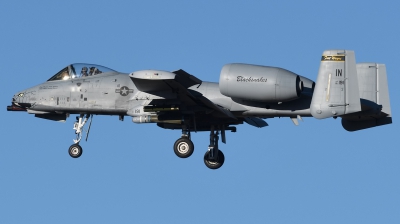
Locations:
(79, 70)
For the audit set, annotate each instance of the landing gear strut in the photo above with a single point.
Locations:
(214, 158)
(75, 150)
(184, 147)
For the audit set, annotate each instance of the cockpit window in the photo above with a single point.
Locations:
(74, 71)
(61, 75)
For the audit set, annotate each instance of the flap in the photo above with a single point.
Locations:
(215, 107)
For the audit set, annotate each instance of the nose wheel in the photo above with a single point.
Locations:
(75, 151)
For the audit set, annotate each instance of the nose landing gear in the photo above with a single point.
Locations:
(75, 150)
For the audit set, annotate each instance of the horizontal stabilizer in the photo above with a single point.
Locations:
(375, 102)
(354, 125)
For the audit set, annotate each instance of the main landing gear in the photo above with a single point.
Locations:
(184, 147)
(213, 158)
(75, 150)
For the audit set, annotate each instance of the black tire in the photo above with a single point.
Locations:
(214, 164)
(75, 151)
(183, 147)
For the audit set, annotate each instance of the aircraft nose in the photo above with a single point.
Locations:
(18, 97)
(19, 102)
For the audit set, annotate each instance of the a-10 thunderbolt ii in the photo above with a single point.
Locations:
(358, 93)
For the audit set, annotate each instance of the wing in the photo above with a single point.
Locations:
(200, 112)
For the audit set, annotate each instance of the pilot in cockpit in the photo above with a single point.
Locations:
(84, 72)
(94, 71)
(91, 72)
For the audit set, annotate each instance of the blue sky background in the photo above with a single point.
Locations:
(313, 173)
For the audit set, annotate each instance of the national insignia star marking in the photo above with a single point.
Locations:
(124, 91)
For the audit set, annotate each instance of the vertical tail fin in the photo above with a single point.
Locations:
(375, 102)
(336, 91)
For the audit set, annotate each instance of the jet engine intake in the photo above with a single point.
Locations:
(259, 83)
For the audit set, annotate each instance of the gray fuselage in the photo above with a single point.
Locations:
(114, 93)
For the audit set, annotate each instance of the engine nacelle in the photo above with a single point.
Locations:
(259, 83)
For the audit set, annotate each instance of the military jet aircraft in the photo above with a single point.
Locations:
(358, 93)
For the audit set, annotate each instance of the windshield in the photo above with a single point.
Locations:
(79, 70)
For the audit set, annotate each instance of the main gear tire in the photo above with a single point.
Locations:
(214, 163)
(183, 147)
